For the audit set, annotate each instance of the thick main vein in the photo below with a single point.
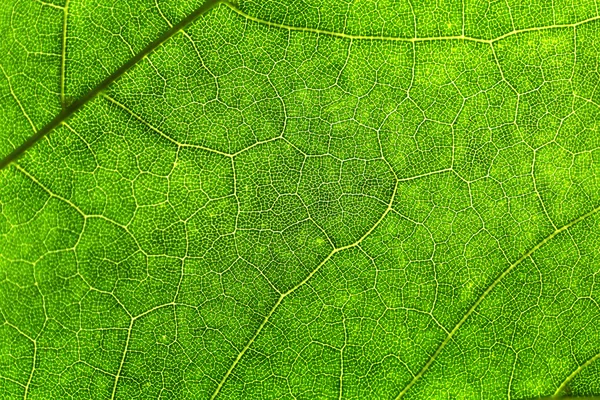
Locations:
(82, 101)
(486, 292)
(208, 4)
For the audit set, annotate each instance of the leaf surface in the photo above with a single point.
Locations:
(309, 199)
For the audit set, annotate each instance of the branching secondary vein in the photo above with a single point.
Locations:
(486, 293)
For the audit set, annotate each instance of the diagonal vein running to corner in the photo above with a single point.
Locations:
(486, 292)
(82, 101)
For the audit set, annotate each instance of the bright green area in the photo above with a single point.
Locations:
(304, 199)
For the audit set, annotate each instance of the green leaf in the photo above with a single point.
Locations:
(303, 199)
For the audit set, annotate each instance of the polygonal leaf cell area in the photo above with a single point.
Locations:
(303, 199)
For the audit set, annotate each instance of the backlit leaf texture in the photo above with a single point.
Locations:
(303, 199)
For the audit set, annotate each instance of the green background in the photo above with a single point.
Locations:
(303, 199)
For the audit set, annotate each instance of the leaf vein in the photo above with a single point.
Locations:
(486, 292)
